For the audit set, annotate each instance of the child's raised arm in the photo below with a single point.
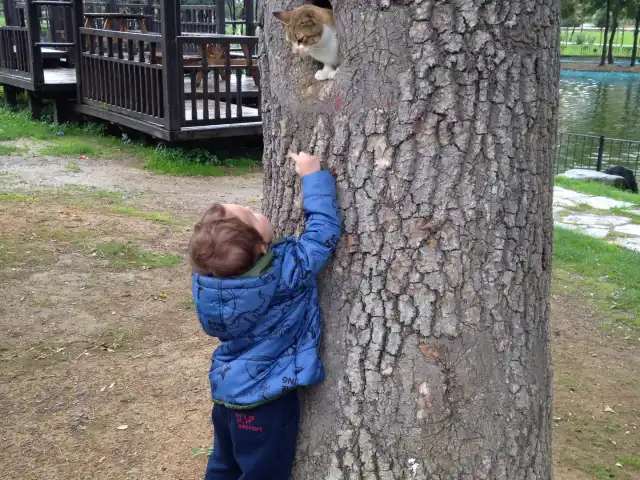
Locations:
(323, 226)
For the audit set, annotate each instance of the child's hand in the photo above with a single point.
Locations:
(305, 164)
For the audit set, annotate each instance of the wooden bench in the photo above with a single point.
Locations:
(140, 19)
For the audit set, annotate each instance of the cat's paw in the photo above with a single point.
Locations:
(332, 74)
(321, 75)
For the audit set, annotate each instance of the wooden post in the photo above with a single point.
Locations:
(68, 27)
(7, 12)
(53, 22)
(35, 105)
(78, 22)
(220, 20)
(148, 10)
(62, 111)
(10, 95)
(248, 15)
(171, 64)
(33, 34)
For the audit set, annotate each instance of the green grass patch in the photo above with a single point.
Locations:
(8, 149)
(597, 189)
(155, 216)
(72, 167)
(14, 197)
(67, 149)
(94, 193)
(634, 217)
(608, 270)
(123, 255)
(633, 462)
(176, 161)
(93, 141)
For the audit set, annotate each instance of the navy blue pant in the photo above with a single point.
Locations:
(256, 444)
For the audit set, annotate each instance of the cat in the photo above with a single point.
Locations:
(312, 32)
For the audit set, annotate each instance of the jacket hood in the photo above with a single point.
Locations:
(231, 308)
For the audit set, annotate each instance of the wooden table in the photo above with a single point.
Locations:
(123, 17)
(216, 57)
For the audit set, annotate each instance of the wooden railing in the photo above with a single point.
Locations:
(216, 85)
(197, 18)
(14, 49)
(123, 71)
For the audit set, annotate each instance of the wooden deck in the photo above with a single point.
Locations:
(200, 128)
(247, 85)
(211, 105)
(55, 80)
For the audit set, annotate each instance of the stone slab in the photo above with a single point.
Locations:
(593, 220)
(629, 229)
(593, 175)
(630, 243)
(561, 195)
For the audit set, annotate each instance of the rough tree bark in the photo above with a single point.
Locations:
(441, 129)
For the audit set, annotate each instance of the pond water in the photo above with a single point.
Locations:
(600, 104)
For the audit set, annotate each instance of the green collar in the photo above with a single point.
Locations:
(263, 265)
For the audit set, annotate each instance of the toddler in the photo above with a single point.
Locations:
(259, 298)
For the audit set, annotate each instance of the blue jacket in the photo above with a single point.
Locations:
(268, 320)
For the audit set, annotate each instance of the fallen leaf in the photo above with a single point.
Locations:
(123, 427)
(608, 409)
(103, 389)
(619, 465)
(112, 385)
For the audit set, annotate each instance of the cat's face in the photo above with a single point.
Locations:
(304, 25)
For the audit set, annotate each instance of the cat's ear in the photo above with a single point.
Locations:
(284, 17)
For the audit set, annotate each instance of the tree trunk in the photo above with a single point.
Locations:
(634, 49)
(441, 129)
(614, 28)
(606, 33)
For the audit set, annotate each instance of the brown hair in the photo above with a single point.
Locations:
(222, 245)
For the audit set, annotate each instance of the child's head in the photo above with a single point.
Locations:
(228, 240)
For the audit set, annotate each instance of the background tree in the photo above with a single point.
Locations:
(636, 29)
(441, 129)
(614, 27)
(606, 31)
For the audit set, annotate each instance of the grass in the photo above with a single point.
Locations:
(155, 216)
(180, 162)
(125, 255)
(619, 53)
(633, 462)
(597, 35)
(8, 149)
(606, 269)
(597, 189)
(92, 140)
(72, 167)
(67, 149)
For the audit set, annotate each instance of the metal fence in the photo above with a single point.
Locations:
(595, 153)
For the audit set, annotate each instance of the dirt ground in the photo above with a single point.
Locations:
(103, 363)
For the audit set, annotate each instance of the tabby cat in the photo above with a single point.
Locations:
(312, 32)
